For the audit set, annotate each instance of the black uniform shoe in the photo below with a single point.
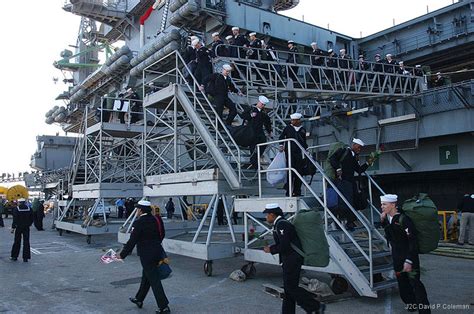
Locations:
(13, 258)
(350, 226)
(164, 310)
(137, 303)
(25, 260)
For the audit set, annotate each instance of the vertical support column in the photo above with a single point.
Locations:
(175, 126)
(229, 221)
(203, 219)
(213, 218)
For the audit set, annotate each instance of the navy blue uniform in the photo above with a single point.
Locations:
(219, 87)
(259, 120)
(22, 220)
(349, 165)
(401, 234)
(147, 236)
(296, 156)
(284, 235)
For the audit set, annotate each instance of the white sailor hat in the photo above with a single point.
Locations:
(194, 42)
(389, 198)
(377, 55)
(417, 66)
(227, 67)
(253, 34)
(314, 43)
(144, 205)
(291, 42)
(388, 55)
(330, 51)
(21, 200)
(341, 50)
(273, 208)
(229, 37)
(215, 34)
(401, 62)
(296, 116)
(235, 28)
(439, 73)
(264, 100)
(193, 37)
(358, 141)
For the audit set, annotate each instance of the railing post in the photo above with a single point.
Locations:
(259, 173)
(371, 201)
(290, 181)
(325, 204)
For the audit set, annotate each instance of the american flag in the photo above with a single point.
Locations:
(109, 257)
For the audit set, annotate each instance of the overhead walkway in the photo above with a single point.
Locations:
(327, 79)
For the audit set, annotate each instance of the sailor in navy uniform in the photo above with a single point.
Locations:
(147, 234)
(401, 235)
(292, 58)
(346, 159)
(285, 237)
(218, 49)
(259, 120)
(203, 61)
(296, 131)
(255, 46)
(240, 40)
(22, 220)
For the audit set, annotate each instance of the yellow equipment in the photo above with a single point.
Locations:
(3, 190)
(16, 192)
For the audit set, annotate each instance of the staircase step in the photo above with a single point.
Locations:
(377, 269)
(375, 255)
(340, 232)
(362, 243)
(385, 284)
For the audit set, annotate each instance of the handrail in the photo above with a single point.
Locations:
(281, 58)
(320, 78)
(323, 202)
(217, 124)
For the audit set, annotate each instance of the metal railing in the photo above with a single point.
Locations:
(325, 61)
(337, 74)
(293, 144)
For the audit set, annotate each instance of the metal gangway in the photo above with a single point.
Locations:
(274, 72)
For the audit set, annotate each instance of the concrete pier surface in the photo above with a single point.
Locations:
(65, 275)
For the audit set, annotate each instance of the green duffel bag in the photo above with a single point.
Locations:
(310, 230)
(327, 167)
(424, 214)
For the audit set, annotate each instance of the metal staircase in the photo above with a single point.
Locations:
(360, 255)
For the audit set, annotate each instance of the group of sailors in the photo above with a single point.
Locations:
(236, 45)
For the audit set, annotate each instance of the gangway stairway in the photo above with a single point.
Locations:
(357, 255)
(361, 255)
